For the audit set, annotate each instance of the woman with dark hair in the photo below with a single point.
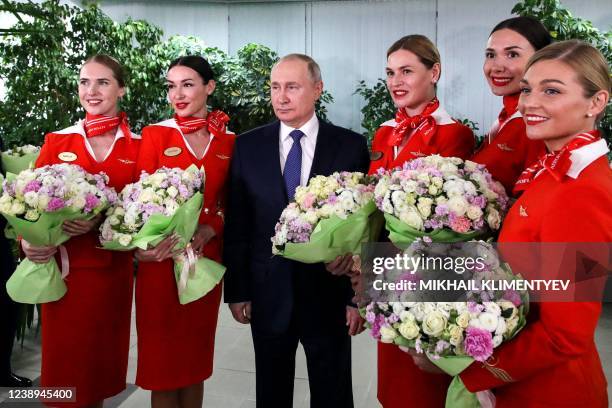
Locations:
(176, 342)
(421, 127)
(506, 150)
(86, 334)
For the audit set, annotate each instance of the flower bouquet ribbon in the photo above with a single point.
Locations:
(166, 202)
(332, 216)
(36, 203)
(443, 198)
(19, 158)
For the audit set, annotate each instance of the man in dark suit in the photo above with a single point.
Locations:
(287, 302)
(9, 310)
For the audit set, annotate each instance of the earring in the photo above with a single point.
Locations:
(589, 115)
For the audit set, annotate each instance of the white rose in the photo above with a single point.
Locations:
(409, 330)
(463, 320)
(418, 312)
(474, 212)
(412, 218)
(147, 195)
(456, 335)
(424, 206)
(387, 334)
(125, 239)
(409, 186)
(492, 307)
(172, 191)
(43, 201)
(470, 188)
(458, 205)
(433, 190)
(32, 215)
(397, 307)
(406, 316)
(437, 181)
(511, 324)
(470, 166)
(434, 323)
(501, 327)
(488, 321)
(493, 218)
(387, 206)
(78, 202)
(119, 211)
(17, 208)
(31, 199)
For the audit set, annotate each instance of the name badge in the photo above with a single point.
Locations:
(172, 151)
(67, 156)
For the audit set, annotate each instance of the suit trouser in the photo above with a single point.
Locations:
(328, 359)
(8, 322)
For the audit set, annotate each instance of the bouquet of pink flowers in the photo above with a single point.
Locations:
(330, 217)
(444, 198)
(452, 334)
(159, 204)
(36, 202)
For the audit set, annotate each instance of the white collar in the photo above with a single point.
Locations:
(585, 155)
(171, 123)
(79, 129)
(310, 128)
(440, 116)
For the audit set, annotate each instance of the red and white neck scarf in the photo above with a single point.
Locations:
(97, 125)
(509, 109)
(423, 124)
(215, 122)
(556, 163)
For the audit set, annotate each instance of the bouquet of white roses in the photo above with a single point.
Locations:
(36, 202)
(19, 158)
(444, 198)
(329, 217)
(452, 334)
(159, 204)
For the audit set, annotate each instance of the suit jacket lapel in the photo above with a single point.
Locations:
(325, 151)
(269, 156)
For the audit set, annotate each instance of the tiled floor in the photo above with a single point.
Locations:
(233, 382)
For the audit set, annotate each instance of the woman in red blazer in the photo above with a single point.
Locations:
(421, 127)
(506, 150)
(567, 197)
(176, 342)
(86, 334)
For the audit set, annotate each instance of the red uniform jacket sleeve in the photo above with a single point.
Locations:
(564, 330)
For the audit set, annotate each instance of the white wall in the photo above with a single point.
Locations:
(349, 39)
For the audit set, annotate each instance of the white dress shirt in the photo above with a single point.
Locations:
(308, 143)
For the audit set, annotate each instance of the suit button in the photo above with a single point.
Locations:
(206, 211)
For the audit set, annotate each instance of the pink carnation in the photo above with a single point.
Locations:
(460, 224)
(478, 343)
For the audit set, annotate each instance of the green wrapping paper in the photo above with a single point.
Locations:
(40, 283)
(204, 274)
(402, 235)
(334, 236)
(14, 164)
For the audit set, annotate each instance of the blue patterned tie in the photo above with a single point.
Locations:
(293, 164)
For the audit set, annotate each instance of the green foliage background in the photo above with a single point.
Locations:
(40, 57)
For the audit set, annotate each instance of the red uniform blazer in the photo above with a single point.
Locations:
(506, 150)
(70, 146)
(553, 361)
(163, 144)
(451, 139)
